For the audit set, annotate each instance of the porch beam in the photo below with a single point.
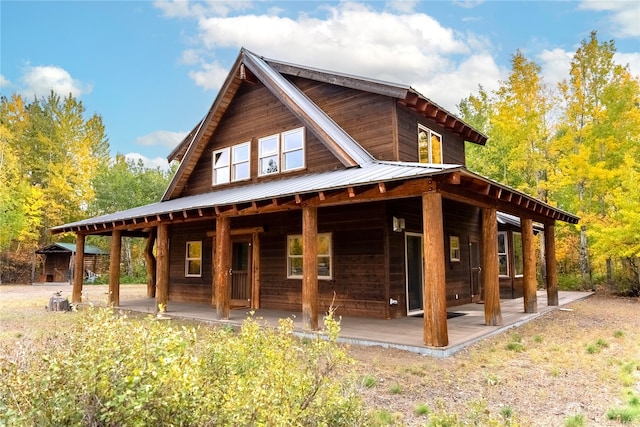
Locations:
(490, 274)
(78, 269)
(150, 263)
(435, 332)
(550, 261)
(114, 268)
(162, 267)
(222, 267)
(310, 267)
(529, 266)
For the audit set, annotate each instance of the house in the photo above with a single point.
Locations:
(303, 188)
(58, 259)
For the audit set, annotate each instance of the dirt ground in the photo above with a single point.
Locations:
(582, 360)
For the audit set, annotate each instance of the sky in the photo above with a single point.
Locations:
(152, 69)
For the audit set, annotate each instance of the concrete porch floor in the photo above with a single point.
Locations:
(403, 333)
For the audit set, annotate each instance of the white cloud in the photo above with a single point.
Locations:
(210, 76)
(414, 48)
(162, 138)
(185, 9)
(41, 80)
(555, 65)
(158, 162)
(4, 82)
(624, 17)
(404, 6)
(632, 59)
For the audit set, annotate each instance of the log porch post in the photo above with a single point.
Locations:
(150, 264)
(310, 268)
(255, 273)
(78, 269)
(435, 331)
(530, 284)
(222, 270)
(490, 274)
(114, 268)
(162, 267)
(550, 257)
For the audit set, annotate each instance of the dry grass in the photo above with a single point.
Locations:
(580, 362)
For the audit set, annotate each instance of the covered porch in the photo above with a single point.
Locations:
(466, 323)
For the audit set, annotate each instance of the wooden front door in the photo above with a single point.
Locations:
(241, 273)
(414, 259)
(475, 270)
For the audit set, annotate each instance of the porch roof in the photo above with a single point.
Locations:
(379, 173)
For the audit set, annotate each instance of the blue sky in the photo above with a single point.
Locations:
(153, 69)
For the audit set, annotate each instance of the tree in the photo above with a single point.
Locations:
(598, 126)
(125, 184)
(48, 155)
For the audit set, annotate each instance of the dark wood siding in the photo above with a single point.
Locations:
(463, 221)
(367, 117)
(368, 257)
(358, 286)
(408, 120)
(190, 289)
(255, 113)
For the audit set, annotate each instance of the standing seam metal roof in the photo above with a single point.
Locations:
(324, 181)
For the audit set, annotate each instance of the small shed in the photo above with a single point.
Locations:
(57, 262)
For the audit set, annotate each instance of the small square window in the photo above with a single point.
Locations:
(294, 256)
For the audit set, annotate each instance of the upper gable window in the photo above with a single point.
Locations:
(269, 155)
(231, 164)
(240, 162)
(429, 146)
(281, 152)
(221, 166)
(293, 150)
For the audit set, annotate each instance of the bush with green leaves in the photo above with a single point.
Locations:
(111, 370)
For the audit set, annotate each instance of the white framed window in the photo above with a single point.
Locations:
(503, 254)
(221, 166)
(293, 150)
(269, 155)
(518, 260)
(454, 249)
(193, 259)
(294, 256)
(429, 146)
(240, 162)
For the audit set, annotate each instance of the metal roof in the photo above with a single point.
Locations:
(377, 172)
(314, 117)
(61, 247)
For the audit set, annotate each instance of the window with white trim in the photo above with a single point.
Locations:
(429, 146)
(454, 249)
(518, 260)
(269, 155)
(232, 164)
(293, 150)
(295, 255)
(503, 254)
(193, 259)
(221, 166)
(240, 165)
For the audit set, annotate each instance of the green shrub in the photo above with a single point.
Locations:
(111, 370)
(421, 409)
(574, 421)
(368, 381)
(396, 389)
